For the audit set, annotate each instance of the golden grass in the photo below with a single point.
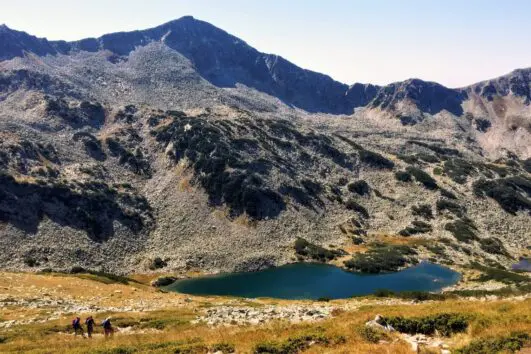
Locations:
(173, 317)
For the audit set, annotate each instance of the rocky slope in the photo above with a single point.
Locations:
(182, 143)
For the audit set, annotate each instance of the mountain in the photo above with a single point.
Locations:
(183, 147)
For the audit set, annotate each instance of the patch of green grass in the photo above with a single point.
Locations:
(501, 344)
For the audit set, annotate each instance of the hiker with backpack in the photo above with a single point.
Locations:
(76, 325)
(90, 326)
(107, 327)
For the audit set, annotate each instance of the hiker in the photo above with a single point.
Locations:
(107, 327)
(90, 326)
(76, 325)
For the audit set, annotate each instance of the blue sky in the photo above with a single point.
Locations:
(454, 42)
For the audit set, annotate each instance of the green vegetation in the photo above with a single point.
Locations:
(459, 170)
(382, 258)
(446, 324)
(304, 248)
(31, 262)
(511, 193)
(492, 245)
(157, 263)
(447, 194)
(503, 276)
(410, 295)
(103, 277)
(372, 335)
(359, 187)
(454, 208)
(526, 164)
(463, 230)
(351, 204)
(439, 150)
(403, 176)
(375, 160)
(417, 227)
(297, 344)
(223, 347)
(511, 343)
(422, 210)
(89, 206)
(422, 177)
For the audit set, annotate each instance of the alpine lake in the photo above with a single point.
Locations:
(315, 281)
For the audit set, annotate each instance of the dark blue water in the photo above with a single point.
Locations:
(312, 281)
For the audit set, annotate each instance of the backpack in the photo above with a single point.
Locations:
(75, 322)
(106, 324)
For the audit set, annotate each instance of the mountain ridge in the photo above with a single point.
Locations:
(242, 64)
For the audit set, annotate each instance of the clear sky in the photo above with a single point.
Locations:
(454, 42)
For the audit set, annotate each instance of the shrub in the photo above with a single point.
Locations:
(117, 350)
(375, 160)
(482, 125)
(382, 258)
(352, 205)
(422, 177)
(454, 208)
(507, 344)
(462, 230)
(410, 295)
(357, 240)
(422, 210)
(31, 262)
(164, 281)
(503, 276)
(403, 176)
(318, 253)
(509, 192)
(446, 324)
(492, 245)
(417, 227)
(439, 150)
(428, 157)
(372, 335)
(157, 263)
(360, 187)
(459, 170)
(223, 347)
(526, 164)
(447, 194)
(295, 344)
